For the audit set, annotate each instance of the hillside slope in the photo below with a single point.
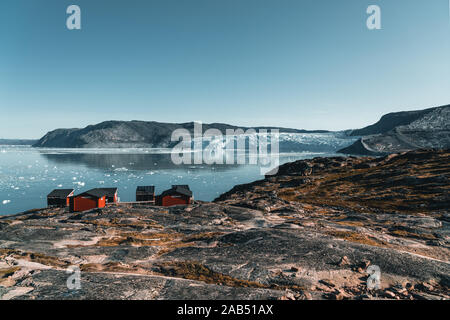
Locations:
(404, 131)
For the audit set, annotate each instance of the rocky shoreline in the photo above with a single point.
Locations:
(313, 231)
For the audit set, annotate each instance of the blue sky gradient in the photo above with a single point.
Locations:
(309, 64)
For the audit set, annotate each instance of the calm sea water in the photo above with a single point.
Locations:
(28, 174)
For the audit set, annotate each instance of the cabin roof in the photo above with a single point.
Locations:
(97, 193)
(100, 192)
(60, 193)
(109, 192)
(146, 189)
(185, 186)
(179, 189)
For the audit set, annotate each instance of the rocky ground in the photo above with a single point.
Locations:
(313, 231)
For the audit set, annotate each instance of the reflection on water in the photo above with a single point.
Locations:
(27, 175)
(141, 161)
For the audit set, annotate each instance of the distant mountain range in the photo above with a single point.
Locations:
(132, 134)
(393, 133)
(404, 131)
(17, 142)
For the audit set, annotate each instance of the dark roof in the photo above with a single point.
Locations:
(100, 192)
(60, 193)
(109, 192)
(146, 189)
(181, 186)
(179, 189)
(97, 193)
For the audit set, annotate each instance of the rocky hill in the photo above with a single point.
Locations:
(129, 134)
(403, 131)
(312, 231)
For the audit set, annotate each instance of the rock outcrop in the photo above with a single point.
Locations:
(404, 131)
(312, 231)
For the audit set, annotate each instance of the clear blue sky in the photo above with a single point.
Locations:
(309, 64)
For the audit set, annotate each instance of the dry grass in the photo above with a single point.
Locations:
(407, 234)
(36, 257)
(137, 239)
(351, 223)
(113, 267)
(203, 236)
(123, 223)
(172, 246)
(4, 273)
(357, 237)
(198, 272)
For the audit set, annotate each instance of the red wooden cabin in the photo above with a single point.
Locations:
(95, 198)
(177, 195)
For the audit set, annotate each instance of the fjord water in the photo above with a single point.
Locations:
(28, 174)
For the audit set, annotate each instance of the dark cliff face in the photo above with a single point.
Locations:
(404, 131)
(130, 134)
(56, 138)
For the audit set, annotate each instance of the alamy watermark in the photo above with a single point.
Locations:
(74, 280)
(73, 21)
(374, 20)
(374, 279)
(255, 147)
